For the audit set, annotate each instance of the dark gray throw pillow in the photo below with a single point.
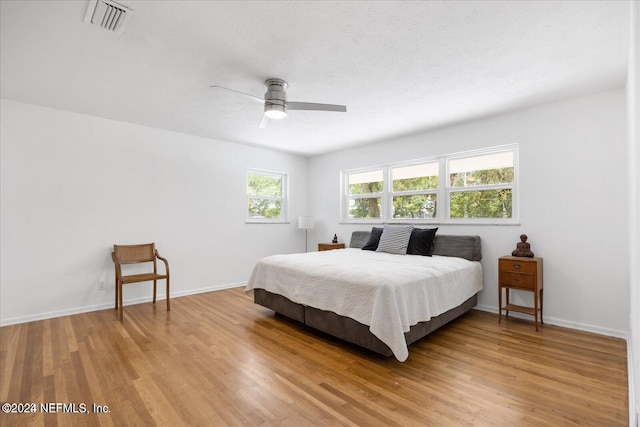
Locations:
(421, 241)
(374, 239)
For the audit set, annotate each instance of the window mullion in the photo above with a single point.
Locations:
(481, 188)
(414, 192)
(387, 201)
(365, 196)
(442, 211)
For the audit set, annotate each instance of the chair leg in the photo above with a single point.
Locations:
(120, 312)
(155, 286)
(116, 294)
(168, 305)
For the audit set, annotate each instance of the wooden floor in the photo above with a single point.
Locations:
(217, 359)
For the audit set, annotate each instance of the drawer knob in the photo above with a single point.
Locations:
(516, 266)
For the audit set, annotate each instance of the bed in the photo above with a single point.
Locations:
(380, 301)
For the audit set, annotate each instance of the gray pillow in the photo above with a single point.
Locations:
(395, 239)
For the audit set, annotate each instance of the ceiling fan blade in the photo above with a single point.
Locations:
(316, 107)
(264, 122)
(255, 98)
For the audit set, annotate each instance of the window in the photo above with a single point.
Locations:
(477, 187)
(414, 191)
(364, 194)
(481, 186)
(266, 196)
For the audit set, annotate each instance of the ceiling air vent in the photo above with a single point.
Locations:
(107, 14)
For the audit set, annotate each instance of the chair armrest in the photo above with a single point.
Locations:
(166, 263)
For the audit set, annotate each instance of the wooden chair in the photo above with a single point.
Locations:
(134, 254)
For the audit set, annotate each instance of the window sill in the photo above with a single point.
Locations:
(426, 223)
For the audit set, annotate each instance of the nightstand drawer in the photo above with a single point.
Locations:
(514, 266)
(329, 246)
(518, 280)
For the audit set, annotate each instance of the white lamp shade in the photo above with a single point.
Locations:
(305, 222)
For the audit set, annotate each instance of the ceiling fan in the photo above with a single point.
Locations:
(276, 104)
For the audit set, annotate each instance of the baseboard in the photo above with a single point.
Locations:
(209, 289)
(564, 323)
(104, 306)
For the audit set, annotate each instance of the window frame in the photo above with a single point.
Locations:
(442, 193)
(347, 197)
(392, 193)
(283, 198)
(513, 186)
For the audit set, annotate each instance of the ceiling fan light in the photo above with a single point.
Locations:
(274, 111)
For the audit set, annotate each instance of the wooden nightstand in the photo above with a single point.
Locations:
(330, 246)
(523, 274)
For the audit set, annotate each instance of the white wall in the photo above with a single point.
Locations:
(73, 185)
(573, 192)
(633, 109)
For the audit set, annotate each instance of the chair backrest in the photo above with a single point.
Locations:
(130, 254)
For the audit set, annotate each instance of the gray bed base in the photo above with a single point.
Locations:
(357, 333)
(348, 329)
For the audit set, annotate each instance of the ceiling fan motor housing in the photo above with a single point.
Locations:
(275, 99)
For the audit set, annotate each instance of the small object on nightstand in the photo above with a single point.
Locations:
(330, 246)
(523, 248)
(335, 238)
(522, 274)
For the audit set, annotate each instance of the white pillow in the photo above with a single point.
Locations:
(395, 239)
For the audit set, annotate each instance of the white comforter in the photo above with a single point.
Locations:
(387, 292)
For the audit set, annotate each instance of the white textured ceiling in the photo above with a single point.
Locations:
(400, 67)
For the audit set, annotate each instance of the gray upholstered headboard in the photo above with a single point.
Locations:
(468, 247)
(359, 239)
